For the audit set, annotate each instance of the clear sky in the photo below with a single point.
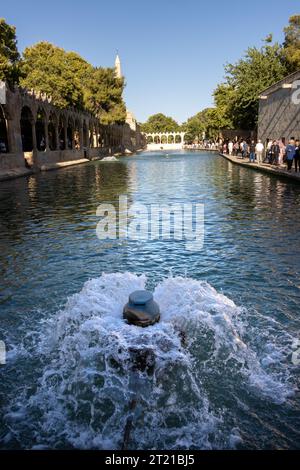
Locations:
(172, 51)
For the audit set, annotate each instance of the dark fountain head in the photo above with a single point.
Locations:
(141, 310)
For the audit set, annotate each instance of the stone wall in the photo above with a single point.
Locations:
(34, 134)
(279, 116)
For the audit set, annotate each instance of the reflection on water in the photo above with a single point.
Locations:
(49, 248)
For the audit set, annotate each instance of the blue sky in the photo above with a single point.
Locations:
(172, 51)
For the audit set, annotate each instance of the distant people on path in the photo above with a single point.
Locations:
(252, 152)
(297, 155)
(290, 154)
(282, 150)
(274, 153)
(244, 149)
(268, 146)
(259, 149)
(236, 147)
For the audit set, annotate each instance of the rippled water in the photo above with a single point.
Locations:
(68, 380)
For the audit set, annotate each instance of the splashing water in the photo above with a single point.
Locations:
(204, 369)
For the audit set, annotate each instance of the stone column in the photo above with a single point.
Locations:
(14, 137)
(34, 146)
(81, 143)
(57, 144)
(73, 138)
(46, 135)
(65, 135)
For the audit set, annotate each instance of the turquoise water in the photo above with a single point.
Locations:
(66, 383)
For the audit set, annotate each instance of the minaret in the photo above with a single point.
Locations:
(118, 66)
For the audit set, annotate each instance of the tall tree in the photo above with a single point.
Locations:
(245, 80)
(292, 43)
(103, 95)
(9, 55)
(160, 123)
(52, 70)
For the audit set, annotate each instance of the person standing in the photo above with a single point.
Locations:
(290, 154)
(230, 147)
(282, 150)
(244, 148)
(297, 155)
(274, 153)
(252, 152)
(236, 148)
(259, 151)
(268, 156)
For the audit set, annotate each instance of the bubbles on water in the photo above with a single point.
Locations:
(192, 367)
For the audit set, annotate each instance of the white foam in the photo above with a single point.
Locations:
(83, 394)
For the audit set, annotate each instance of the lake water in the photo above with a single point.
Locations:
(68, 381)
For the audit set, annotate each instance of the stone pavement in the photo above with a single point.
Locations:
(265, 167)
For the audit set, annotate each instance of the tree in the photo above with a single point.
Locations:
(160, 123)
(9, 55)
(257, 70)
(196, 126)
(292, 44)
(52, 70)
(103, 95)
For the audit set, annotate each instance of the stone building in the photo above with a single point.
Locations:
(279, 109)
(36, 135)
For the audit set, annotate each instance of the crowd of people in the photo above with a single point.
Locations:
(203, 145)
(273, 152)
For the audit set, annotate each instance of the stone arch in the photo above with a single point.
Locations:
(26, 124)
(3, 131)
(52, 127)
(157, 139)
(177, 139)
(40, 129)
(149, 139)
(164, 139)
(171, 139)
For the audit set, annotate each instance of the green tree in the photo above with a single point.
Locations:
(103, 95)
(196, 126)
(52, 70)
(258, 69)
(160, 123)
(292, 43)
(9, 55)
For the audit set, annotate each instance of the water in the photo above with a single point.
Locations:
(68, 381)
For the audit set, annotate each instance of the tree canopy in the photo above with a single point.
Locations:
(52, 70)
(9, 55)
(160, 123)
(68, 78)
(72, 81)
(292, 43)
(103, 95)
(237, 98)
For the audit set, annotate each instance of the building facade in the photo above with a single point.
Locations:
(279, 109)
(36, 134)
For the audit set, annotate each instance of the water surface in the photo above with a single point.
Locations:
(66, 382)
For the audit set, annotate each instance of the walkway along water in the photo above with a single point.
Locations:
(265, 167)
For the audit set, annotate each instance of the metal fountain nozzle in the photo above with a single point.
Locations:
(141, 309)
